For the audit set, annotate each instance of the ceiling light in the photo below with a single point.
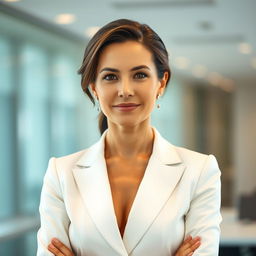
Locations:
(214, 78)
(91, 31)
(199, 71)
(253, 62)
(11, 0)
(245, 48)
(64, 18)
(181, 62)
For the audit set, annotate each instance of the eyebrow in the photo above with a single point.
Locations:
(116, 70)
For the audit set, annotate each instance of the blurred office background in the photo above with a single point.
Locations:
(210, 105)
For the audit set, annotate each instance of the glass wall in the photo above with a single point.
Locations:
(7, 130)
(42, 110)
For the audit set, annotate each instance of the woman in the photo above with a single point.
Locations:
(131, 193)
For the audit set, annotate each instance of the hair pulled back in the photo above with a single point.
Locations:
(118, 31)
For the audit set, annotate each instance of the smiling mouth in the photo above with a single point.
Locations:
(126, 106)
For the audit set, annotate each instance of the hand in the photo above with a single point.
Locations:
(188, 246)
(59, 249)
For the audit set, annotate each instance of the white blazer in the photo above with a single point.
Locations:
(178, 195)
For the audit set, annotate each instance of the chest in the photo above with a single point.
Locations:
(94, 227)
(124, 178)
(157, 220)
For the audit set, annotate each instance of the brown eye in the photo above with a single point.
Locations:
(140, 75)
(110, 77)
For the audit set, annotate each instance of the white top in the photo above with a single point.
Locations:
(178, 195)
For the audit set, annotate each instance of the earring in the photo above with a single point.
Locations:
(158, 105)
(98, 106)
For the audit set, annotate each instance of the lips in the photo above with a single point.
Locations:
(127, 105)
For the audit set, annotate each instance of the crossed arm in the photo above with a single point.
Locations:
(202, 219)
(187, 248)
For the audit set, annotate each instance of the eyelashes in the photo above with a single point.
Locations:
(111, 77)
(142, 75)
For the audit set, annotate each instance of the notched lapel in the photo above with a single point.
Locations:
(163, 173)
(91, 177)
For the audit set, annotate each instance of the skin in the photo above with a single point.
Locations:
(141, 86)
(130, 136)
(187, 248)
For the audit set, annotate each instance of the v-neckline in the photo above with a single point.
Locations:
(133, 201)
(163, 171)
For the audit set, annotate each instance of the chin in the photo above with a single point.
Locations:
(126, 122)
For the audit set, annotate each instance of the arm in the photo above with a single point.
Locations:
(187, 248)
(53, 215)
(203, 218)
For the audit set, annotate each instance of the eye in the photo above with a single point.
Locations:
(110, 77)
(141, 75)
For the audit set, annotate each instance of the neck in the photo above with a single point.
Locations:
(129, 142)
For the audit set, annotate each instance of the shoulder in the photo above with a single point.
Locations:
(194, 158)
(173, 154)
(83, 157)
(195, 163)
(70, 159)
(189, 157)
(199, 166)
(59, 166)
(64, 164)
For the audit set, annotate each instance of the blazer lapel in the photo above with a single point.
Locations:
(163, 172)
(92, 180)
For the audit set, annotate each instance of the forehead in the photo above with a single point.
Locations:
(125, 55)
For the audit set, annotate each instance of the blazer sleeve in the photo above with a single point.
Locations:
(53, 216)
(203, 218)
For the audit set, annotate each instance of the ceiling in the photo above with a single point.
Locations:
(205, 32)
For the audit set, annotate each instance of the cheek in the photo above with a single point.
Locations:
(106, 99)
(149, 95)
(104, 95)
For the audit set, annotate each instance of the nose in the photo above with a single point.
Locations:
(125, 89)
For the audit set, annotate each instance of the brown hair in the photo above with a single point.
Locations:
(114, 32)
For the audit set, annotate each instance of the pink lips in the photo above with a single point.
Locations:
(126, 106)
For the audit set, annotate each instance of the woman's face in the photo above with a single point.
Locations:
(126, 83)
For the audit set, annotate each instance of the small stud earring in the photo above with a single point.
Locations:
(158, 105)
(98, 106)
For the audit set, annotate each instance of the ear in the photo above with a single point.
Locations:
(92, 88)
(163, 83)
